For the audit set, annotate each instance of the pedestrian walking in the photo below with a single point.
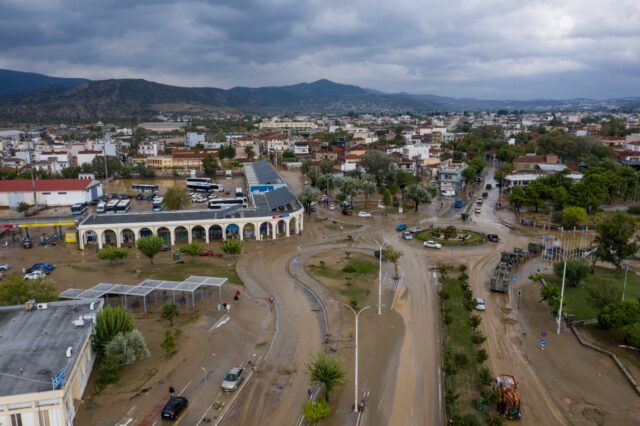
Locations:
(172, 391)
(271, 300)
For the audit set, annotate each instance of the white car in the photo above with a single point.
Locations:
(480, 304)
(4, 266)
(332, 206)
(407, 236)
(364, 214)
(233, 378)
(415, 230)
(35, 275)
(432, 244)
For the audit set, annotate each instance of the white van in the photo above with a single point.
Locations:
(228, 174)
(101, 207)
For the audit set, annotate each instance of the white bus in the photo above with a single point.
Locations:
(202, 185)
(111, 206)
(223, 203)
(102, 207)
(123, 206)
(158, 204)
(78, 208)
(228, 174)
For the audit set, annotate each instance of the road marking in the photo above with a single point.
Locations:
(131, 410)
(154, 423)
(185, 388)
(220, 322)
(129, 420)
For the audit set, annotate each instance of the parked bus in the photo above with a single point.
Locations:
(223, 203)
(144, 187)
(239, 192)
(228, 174)
(102, 207)
(202, 185)
(158, 204)
(111, 206)
(78, 209)
(123, 206)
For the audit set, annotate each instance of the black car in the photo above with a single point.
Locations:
(493, 238)
(485, 194)
(174, 406)
(27, 244)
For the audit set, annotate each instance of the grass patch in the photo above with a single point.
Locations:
(577, 298)
(180, 271)
(476, 238)
(610, 339)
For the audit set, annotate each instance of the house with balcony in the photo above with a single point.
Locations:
(450, 178)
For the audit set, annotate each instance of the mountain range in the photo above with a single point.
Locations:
(27, 97)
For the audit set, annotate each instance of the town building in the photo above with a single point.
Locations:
(450, 178)
(45, 360)
(49, 192)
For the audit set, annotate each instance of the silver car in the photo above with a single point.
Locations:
(233, 379)
(4, 266)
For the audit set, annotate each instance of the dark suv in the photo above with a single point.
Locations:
(173, 408)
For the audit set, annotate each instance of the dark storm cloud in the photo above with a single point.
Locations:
(490, 48)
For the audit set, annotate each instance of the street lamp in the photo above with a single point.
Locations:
(379, 277)
(356, 315)
(204, 370)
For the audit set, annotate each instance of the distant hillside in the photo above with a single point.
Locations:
(128, 97)
(16, 82)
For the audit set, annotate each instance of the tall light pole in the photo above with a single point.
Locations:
(624, 287)
(564, 275)
(204, 370)
(379, 277)
(356, 315)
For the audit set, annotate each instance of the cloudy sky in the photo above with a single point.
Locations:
(499, 49)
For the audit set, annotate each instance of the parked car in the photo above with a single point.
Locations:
(401, 227)
(44, 267)
(364, 214)
(165, 247)
(493, 238)
(174, 406)
(27, 244)
(480, 304)
(478, 210)
(233, 379)
(415, 230)
(488, 186)
(347, 212)
(485, 194)
(478, 178)
(479, 201)
(332, 206)
(35, 275)
(407, 235)
(4, 266)
(432, 244)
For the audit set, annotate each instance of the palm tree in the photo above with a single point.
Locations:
(328, 370)
(248, 150)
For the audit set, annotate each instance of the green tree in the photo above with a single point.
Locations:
(631, 334)
(112, 253)
(308, 195)
(249, 152)
(518, 198)
(378, 164)
(577, 271)
(70, 172)
(314, 411)
(419, 194)
(573, 216)
(169, 311)
(192, 249)
(393, 256)
(127, 347)
(550, 293)
(288, 155)
(326, 167)
(168, 343)
(615, 239)
(23, 207)
(349, 187)
(110, 321)
(210, 165)
(368, 188)
(15, 290)
(226, 151)
(327, 370)
(150, 246)
(603, 293)
(108, 371)
(619, 314)
(176, 198)
(232, 246)
(307, 165)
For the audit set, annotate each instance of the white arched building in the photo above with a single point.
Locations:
(274, 213)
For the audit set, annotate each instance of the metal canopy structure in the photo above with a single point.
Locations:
(146, 287)
(279, 199)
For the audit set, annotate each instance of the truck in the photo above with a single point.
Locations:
(508, 396)
(458, 203)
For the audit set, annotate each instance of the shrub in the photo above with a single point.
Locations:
(327, 370)
(192, 249)
(168, 343)
(484, 376)
(460, 359)
(577, 271)
(113, 253)
(23, 207)
(631, 334)
(477, 337)
(348, 269)
(314, 411)
(110, 322)
(450, 232)
(108, 371)
(481, 356)
(127, 347)
(232, 246)
(617, 315)
(475, 321)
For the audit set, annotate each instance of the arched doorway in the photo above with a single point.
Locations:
(282, 228)
(198, 233)
(215, 232)
(146, 232)
(266, 231)
(165, 234)
(181, 234)
(248, 231)
(233, 231)
(293, 226)
(109, 238)
(90, 237)
(128, 237)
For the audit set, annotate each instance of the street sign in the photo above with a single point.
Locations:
(514, 278)
(543, 342)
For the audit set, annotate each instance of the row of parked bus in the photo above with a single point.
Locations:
(114, 206)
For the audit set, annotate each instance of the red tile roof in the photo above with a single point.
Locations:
(22, 185)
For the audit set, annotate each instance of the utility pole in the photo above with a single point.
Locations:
(356, 315)
(564, 275)
(104, 154)
(205, 393)
(379, 278)
(33, 180)
(624, 287)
